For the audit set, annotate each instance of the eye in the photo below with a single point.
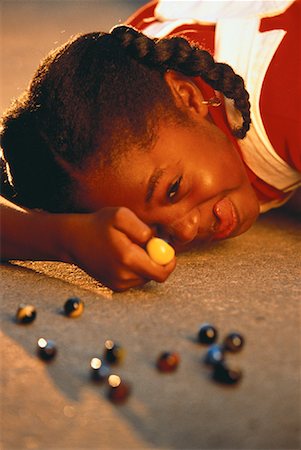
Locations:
(174, 188)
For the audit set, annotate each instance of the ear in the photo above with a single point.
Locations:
(186, 94)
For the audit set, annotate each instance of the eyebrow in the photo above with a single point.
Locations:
(152, 184)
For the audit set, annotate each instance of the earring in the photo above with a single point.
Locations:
(213, 101)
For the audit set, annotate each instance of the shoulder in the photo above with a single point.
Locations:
(148, 20)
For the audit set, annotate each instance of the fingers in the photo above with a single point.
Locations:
(124, 279)
(134, 267)
(127, 222)
(124, 285)
(120, 261)
(141, 264)
(135, 257)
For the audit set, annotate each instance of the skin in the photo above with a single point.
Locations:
(192, 177)
(108, 240)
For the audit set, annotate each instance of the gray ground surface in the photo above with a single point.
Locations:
(250, 284)
(29, 29)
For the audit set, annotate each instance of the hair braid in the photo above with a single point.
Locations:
(177, 54)
(87, 104)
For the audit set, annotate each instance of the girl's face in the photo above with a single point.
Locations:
(192, 186)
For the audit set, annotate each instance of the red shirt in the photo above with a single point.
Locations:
(280, 94)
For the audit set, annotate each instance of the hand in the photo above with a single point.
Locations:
(108, 245)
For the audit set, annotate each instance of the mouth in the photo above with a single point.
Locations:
(228, 218)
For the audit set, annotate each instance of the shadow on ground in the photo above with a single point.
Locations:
(250, 284)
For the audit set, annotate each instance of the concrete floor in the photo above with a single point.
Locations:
(250, 284)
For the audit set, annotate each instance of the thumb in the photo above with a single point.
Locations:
(136, 230)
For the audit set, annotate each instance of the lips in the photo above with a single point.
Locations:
(227, 216)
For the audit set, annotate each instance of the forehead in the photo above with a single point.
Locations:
(127, 182)
(140, 165)
(116, 185)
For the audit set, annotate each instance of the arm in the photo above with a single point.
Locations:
(107, 244)
(30, 234)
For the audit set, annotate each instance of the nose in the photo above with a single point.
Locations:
(186, 228)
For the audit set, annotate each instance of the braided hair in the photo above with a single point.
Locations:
(94, 97)
(178, 54)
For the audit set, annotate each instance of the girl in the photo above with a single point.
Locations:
(122, 135)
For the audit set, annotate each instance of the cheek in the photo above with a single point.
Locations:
(216, 180)
(208, 181)
(247, 205)
(251, 205)
(219, 170)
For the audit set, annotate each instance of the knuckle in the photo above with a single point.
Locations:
(120, 214)
(127, 282)
(161, 277)
(128, 256)
(118, 284)
(167, 271)
(146, 234)
(124, 276)
(120, 275)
